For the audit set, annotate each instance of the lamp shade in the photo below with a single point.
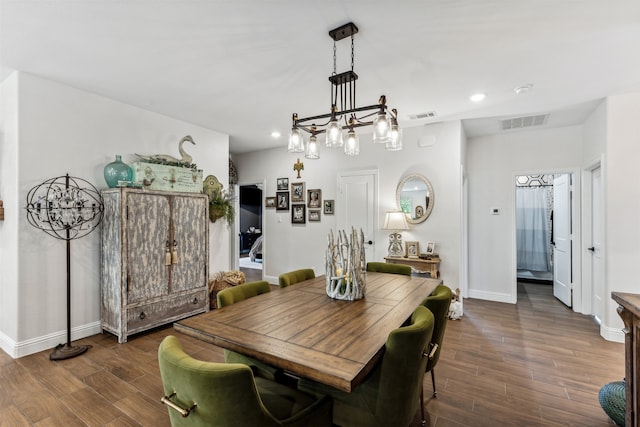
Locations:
(395, 220)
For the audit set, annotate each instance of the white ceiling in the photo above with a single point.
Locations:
(242, 67)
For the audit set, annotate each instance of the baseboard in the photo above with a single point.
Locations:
(491, 296)
(45, 342)
(611, 334)
(271, 279)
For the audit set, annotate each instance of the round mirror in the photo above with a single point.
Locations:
(414, 197)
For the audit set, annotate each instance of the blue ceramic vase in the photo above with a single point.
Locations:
(117, 171)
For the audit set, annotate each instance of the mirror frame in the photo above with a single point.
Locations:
(428, 209)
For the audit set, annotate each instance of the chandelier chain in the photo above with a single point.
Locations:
(334, 59)
(353, 54)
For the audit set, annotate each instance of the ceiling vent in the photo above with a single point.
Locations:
(423, 115)
(524, 122)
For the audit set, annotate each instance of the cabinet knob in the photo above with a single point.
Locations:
(195, 300)
(142, 316)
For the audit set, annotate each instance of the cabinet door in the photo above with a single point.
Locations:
(189, 221)
(147, 234)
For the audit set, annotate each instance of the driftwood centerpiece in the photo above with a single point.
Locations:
(346, 266)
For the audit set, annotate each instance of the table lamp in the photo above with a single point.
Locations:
(395, 221)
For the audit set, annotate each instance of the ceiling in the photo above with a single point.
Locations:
(243, 67)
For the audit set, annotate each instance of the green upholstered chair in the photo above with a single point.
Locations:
(438, 303)
(293, 277)
(383, 267)
(241, 292)
(222, 394)
(236, 294)
(390, 394)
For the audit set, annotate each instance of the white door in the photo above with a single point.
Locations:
(562, 238)
(356, 205)
(596, 244)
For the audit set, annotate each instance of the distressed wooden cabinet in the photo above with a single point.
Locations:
(154, 260)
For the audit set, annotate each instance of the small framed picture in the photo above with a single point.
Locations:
(412, 249)
(297, 192)
(328, 207)
(282, 199)
(431, 248)
(314, 199)
(298, 213)
(314, 215)
(283, 184)
(270, 202)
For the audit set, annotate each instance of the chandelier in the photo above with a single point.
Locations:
(344, 115)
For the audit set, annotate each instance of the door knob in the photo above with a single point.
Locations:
(370, 242)
(592, 249)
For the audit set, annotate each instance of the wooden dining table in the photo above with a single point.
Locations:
(308, 334)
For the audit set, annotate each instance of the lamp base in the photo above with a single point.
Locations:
(395, 245)
(66, 351)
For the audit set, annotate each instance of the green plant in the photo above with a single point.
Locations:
(221, 205)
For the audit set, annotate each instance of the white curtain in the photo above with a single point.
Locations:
(532, 228)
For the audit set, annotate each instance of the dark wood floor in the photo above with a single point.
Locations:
(531, 364)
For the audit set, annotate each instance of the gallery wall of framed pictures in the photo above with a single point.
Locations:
(306, 205)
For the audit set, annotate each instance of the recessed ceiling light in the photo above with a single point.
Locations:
(477, 97)
(275, 134)
(523, 89)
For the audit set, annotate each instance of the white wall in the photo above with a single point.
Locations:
(287, 247)
(12, 211)
(65, 130)
(622, 200)
(492, 163)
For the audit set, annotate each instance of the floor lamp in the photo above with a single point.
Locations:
(66, 208)
(395, 221)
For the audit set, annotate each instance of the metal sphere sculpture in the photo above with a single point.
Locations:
(66, 208)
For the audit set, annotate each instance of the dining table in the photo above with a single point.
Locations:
(303, 331)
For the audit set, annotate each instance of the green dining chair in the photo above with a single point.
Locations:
(293, 277)
(438, 303)
(241, 292)
(390, 394)
(199, 393)
(236, 294)
(383, 267)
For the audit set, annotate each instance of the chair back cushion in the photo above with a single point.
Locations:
(390, 394)
(293, 277)
(383, 267)
(225, 393)
(438, 302)
(241, 292)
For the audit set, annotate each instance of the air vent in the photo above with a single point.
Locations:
(423, 115)
(524, 122)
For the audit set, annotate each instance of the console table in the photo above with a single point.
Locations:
(629, 311)
(431, 265)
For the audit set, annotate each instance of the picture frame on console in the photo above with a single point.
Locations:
(431, 248)
(412, 249)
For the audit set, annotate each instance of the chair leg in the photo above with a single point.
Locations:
(424, 423)
(433, 381)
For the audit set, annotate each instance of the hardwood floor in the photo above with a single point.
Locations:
(532, 364)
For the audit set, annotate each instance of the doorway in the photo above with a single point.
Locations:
(547, 233)
(250, 254)
(357, 202)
